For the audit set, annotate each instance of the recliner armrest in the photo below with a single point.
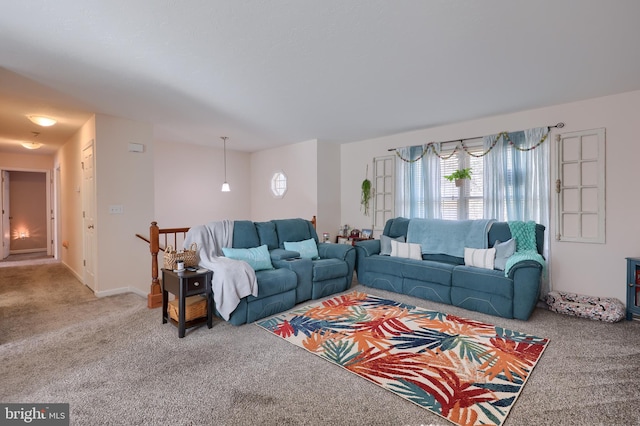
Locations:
(368, 247)
(282, 254)
(335, 251)
(525, 265)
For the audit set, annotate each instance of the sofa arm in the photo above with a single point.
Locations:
(366, 248)
(335, 251)
(526, 277)
(282, 254)
(339, 251)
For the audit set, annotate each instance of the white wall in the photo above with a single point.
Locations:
(328, 189)
(68, 160)
(299, 163)
(593, 269)
(188, 179)
(127, 179)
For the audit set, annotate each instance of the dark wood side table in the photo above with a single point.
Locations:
(633, 287)
(182, 285)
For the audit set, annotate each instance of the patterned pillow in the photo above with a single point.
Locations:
(308, 249)
(257, 257)
(407, 250)
(480, 258)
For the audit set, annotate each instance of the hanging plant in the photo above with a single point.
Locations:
(365, 197)
(459, 175)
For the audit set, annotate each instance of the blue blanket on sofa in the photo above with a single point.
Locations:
(438, 236)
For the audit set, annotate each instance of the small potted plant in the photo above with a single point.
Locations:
(459, 175)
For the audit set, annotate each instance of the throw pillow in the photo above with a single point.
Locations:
(407, 250)
(308, 249)
(385, 244)
(503, 252)
(257, 257)
(480, 258)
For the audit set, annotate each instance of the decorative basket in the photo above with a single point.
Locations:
(195, 307)
(171, 256)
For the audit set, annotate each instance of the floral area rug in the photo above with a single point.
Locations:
(466, 371)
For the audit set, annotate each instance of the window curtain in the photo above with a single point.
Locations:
(418, 182)
(517, 183)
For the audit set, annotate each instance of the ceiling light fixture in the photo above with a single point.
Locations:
(41, 120)
(225, 185)
(32, 145)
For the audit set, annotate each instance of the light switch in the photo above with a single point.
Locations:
(116, 209)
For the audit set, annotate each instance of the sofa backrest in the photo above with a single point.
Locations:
(245, 234)
(294, 230)
(499, 231)
(248, 234)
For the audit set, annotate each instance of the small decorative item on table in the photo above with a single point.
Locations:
(366, 234)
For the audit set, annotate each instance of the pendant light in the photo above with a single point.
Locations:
(225, 185)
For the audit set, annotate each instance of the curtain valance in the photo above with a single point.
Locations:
(460, 144)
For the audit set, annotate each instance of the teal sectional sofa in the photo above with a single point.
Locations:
(446, 279)
(293, 279)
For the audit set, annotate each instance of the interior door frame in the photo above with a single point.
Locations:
(48, 185)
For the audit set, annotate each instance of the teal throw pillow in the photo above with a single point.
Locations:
(307, 248)
(257, 257)
(503, 252)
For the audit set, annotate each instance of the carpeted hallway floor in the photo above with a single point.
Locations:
(114, 362)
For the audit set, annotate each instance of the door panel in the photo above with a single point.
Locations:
(88, 206)
(6, 225)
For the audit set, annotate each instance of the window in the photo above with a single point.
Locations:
(466, 201)
(279, 184)
(580, 186)
(509, 178)
(383, 178)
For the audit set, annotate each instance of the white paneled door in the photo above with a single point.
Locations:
(88, 215)
(6, 224)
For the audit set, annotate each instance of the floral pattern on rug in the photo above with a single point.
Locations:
(466, 371)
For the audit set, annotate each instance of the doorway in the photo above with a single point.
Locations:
(26, 225)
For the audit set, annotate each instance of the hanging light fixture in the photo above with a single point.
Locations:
(225, 185)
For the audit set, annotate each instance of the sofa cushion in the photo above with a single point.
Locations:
(480, 258)
(426, 270)
(385, 264)
(326, 269)
(396, 227)
(484, 280)
(406, 250)
(385, 244)
(267, 234)
(445, 258)
(292, 230)
(504, 252)
(308, 249)
(245, 234)
(274, 281)
(257, 257)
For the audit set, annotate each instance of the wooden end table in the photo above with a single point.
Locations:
(182, 285)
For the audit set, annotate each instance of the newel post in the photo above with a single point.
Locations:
(154, 298)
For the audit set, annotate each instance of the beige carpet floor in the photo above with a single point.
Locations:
(114, 362)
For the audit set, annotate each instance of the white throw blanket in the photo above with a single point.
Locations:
(232, 279)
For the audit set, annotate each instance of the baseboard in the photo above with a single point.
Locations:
(25, 251)
(121, 290)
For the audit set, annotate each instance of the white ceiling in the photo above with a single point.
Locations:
(270, 73)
